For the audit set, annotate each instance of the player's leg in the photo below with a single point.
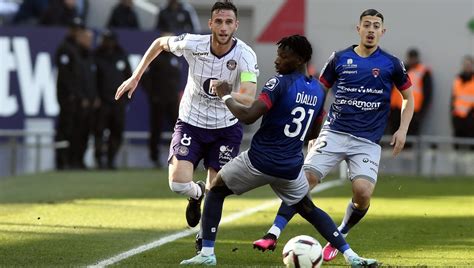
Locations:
(185, 152)
(327, 228)
(223, 148)
(293, 193)
(212, 214)
(363, 159)
(233, 178)
(322, 157)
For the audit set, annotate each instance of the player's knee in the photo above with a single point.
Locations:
(361, 199)
(179, 187)
(304, 206)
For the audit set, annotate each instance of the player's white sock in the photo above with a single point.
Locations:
(207, 251)
(189, 189)
(349, 254)
(275, 231)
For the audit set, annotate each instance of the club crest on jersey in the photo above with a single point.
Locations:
(375, 72)
(231, 65)
(272, 83)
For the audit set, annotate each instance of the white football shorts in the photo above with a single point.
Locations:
(331, 147)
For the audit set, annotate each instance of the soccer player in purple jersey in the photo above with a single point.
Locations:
(206, 130)
(361, 78)
(290, 103)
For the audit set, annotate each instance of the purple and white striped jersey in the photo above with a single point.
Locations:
(199, 106)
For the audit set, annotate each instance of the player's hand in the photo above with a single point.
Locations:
(398, 141)
(129, 86)
(222, 88)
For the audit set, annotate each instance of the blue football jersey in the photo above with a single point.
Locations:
(362, 89)
(294, 102)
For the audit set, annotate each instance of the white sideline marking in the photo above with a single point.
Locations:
(170, 238)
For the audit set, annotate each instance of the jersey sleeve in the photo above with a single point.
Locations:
(271, 91)
(328, 74)
(177, 44)
(248, 66)
(400, 77)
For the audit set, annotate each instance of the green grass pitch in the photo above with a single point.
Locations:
(77, 219)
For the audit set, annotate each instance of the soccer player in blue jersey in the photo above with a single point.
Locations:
(290, 102)
(361, 77)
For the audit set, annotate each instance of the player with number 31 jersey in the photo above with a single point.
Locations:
(300, 102)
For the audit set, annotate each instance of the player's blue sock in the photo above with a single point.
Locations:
(352, 217)
(284, 215)
(212, 214)
(322, 222)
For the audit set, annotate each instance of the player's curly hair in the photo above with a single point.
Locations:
(298, 44)
(371, 12)
(225, 5)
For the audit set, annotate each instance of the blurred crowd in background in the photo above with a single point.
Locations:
(89, 73)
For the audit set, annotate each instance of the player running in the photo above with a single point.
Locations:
(205, 128)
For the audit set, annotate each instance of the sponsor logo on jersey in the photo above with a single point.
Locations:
(225, 154)
(360, 89)
(231, 65)
(183, 150)
(272, 83)
(375, 72)
(200, 53)
(349, 72)
(363, 105)
(349, 64)
(180, 37)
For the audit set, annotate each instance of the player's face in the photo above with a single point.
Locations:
(370, 29)
(286, 61)
(223, 25)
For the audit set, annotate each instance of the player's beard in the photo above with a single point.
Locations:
(229, 39)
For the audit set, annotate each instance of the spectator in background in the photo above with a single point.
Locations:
(112, 68)
(422, 85)
(88, 102)
(69, 63)
(162, 84)
(462, 105)
(30, 11)
(178, 17)
(123, 16)
(62, 12)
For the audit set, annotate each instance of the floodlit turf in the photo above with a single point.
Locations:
(77, 219)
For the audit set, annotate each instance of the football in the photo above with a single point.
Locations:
(302, 252)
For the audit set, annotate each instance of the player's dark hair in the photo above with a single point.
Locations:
(298, 44)
(225, 5)
(371, 12)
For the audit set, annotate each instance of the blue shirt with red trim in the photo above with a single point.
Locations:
(294, 103)
(362, 89)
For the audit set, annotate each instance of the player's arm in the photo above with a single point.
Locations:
(408, 107)
(152, 52)
(246, 94)
(246, 114)
(313, 133)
